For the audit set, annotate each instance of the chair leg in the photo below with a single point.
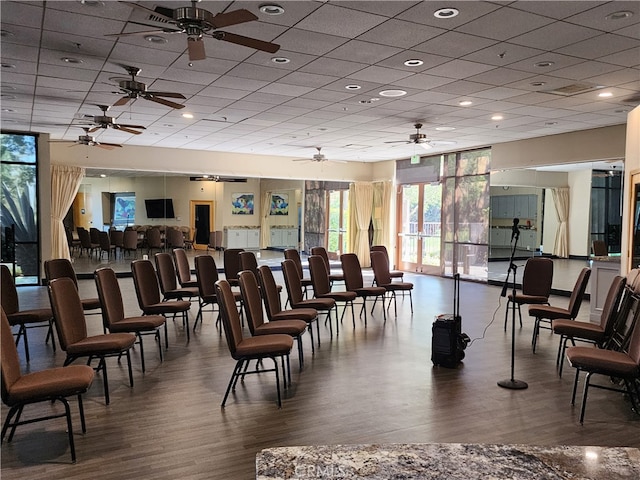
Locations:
(575, 387)
(584, 396)
(411, 301)
(67, 410)
(300, 353)
(159, 340)
(50, 335)
(277, 382)
(16, 409)
(102, 365)
(234, 375)
(83, 423)
(129, 366)
(310, 328)
(141, 351)
(536, 331)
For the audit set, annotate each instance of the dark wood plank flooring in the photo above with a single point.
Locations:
(366, 386)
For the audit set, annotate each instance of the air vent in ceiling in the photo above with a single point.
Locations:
(573, 89)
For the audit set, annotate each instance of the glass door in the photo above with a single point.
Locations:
(419, 223)
(337, 222)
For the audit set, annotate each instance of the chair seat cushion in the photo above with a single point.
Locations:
(102, 344)
(182, 293)
(91, 304)
(336, 277)
(395, 286)
(316, 304)
(135, 324)
(190, 284)
(177, 306)
(396, 274)
(264, 345)
(286, 327)
(571, 328)
(523, 299)
(306, 282)
(605, 362)
(549, 312)
(305, 314)
(370, 291)
(30, 316)
(60, 381)
(340, 296)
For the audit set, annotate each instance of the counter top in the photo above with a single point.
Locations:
(451, 461)
(609, 258)
(241, 227)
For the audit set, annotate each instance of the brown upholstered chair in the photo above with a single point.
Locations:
(380, 266)
(252, 300)
(183, 269)
(117, 239)
(113, 312)
(597, 334)
(105, 245)
(72, 332)
(249, 262)
(273, 305)
(175, 238)
(130, 242)
(73, 243)
(354, 282)
(49, 385)
(23, 319)
(148, 294)
(599, 248)
(333, 277)
(536, 286)
(207, 275)
(296, 299)
(86, 243)
(190, 241)
(392, 273)
(293, 254)
(243, 350)
(232, 265)
(154, 240)
(322, 289)
(623, 365)
(168, 280)
(545, 314)
(61, 267)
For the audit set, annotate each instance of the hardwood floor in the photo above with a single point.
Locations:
(368, 385)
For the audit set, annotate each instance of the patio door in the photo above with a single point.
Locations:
(201, 222)
(337, 222)
(419, 222)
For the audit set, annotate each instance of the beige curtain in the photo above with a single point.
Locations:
(561, 202)
(265, 209)
(381, 216)
(65, 181)
(361, 206)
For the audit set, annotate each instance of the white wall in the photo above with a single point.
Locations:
(579, 212)
(632, 166)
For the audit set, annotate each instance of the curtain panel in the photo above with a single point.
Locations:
(561, 202)
(381, 216)
(265, 208)
(361, 199)
(65, 181)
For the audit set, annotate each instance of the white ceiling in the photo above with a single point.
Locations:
(243, 102)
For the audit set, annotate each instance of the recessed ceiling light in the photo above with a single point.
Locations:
(392, 93)
(364, 101)
(548, 124)
(497, 117)
(155, 39)
(167, 125)
(75, 61)
(621, 110)
(465, 103)
(91, 3)
(205, 176)
(271, 9)
(538, 84)
(446, 13)
(6, 33)
(322, 129)
(280, 60)
(544, 63)
(414, 62)
(445, 129)
(102, 175)
(187, 115)
(353, 87)
(8, 110)
(621, 15)
(605, 94)
(7, 65)
(375, 99)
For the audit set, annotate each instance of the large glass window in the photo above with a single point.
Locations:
(19, 207)
(606, 208)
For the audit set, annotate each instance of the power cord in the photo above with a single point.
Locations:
(493, 318)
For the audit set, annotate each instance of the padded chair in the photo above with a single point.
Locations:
(117, 239)
(296, 300)
(322, 288)
(61, 267)
(354, 282)
(232, 265)
(249, 262)
(322, 252)
(183, 269)
(130, 242)
(113, 312)
(252, 299)
(189, 242)
(105, 245)
(72, 332)
(380, 266)
(536, 286)
(597, 334)
(25, 319)
(49, 385)
(175, 238)
(273, 305)
(154, 240)
(94, 235)
(169, 282)
(207, 275)
(148, 294)
(623, 365)
(86, 243)
(243, 350)
(392, 273)
(546, 313)
(599, 248)
(73, 243)
(293, 254)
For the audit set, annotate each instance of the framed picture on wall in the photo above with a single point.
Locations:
(279, 204)
(242, 203)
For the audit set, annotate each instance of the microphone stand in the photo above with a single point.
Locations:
(512, 383)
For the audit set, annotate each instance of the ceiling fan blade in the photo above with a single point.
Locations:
(139, 127)
(233, 18)
(247, 42)
(398, 141)
(166, 94)
(195, 47)
(94, 129)
(122, 101)
(168, 103)
(155, 13)
(130, 34)
(108, 146)
(128, 130)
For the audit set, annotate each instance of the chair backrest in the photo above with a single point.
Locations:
(578, 292)
(117, 238)
(229, 314)
(319, 275)
(166, 272)
(248, 261)
(207, 274)
(130, 240)
(218, 237)
(212, 240)
(176, 238)
(182, 265)
(94, 234)
(9, 360)
(599, 248)
(104, 240)
(269, 290)
(58, 268)
(145, 282)
(69, 235)
(611, 306)
(293, 254)
(634, 345)
(380, 248)
(380, 266)
(84, 237)
(537, 277)
(8, 293)
(322, 252)
(292, 282)
(67, 312)
(232, 263)
(154, 238)
(251, 299)
(110, 296)
(352, 271)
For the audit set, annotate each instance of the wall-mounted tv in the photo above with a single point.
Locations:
(159, 208)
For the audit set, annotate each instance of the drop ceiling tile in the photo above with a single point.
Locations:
(266, 98)
(296, 60)
(83, 25)
(187, 75)
(558, 10)
(256, 72)
(500, 76)
(401, 34)
(502, 54)
(461, 87)
(422, 12)
(459, 69)
(66, 71)
(559, 61)
(454, 44)
(336, 20)
(113, 10)
(631, 31)
(311, 43)
(554, 36)
(307, 79)
(582, 70)
(363, 52)
(379, 74)
(600, 46)
(597, 17)
(220, 92)
(125, 55)
(294, 12)
(279, 88)
(422, 81)
(504, 23)
(332, 67)
(20, 13)
(236, 83)
(328, 95)
(626, 58)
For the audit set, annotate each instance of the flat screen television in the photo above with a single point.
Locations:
(159, 208)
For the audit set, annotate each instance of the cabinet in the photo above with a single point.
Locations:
(247, 238)
(524, 207)
(284, 238)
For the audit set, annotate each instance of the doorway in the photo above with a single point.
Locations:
(419, 228)
(337, 222)
(201, 222)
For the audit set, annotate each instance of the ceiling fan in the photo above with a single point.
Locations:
(105, 121)
(198, 22)
(90, 141)
(317, 157)
(134, 89)
(422, 140)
